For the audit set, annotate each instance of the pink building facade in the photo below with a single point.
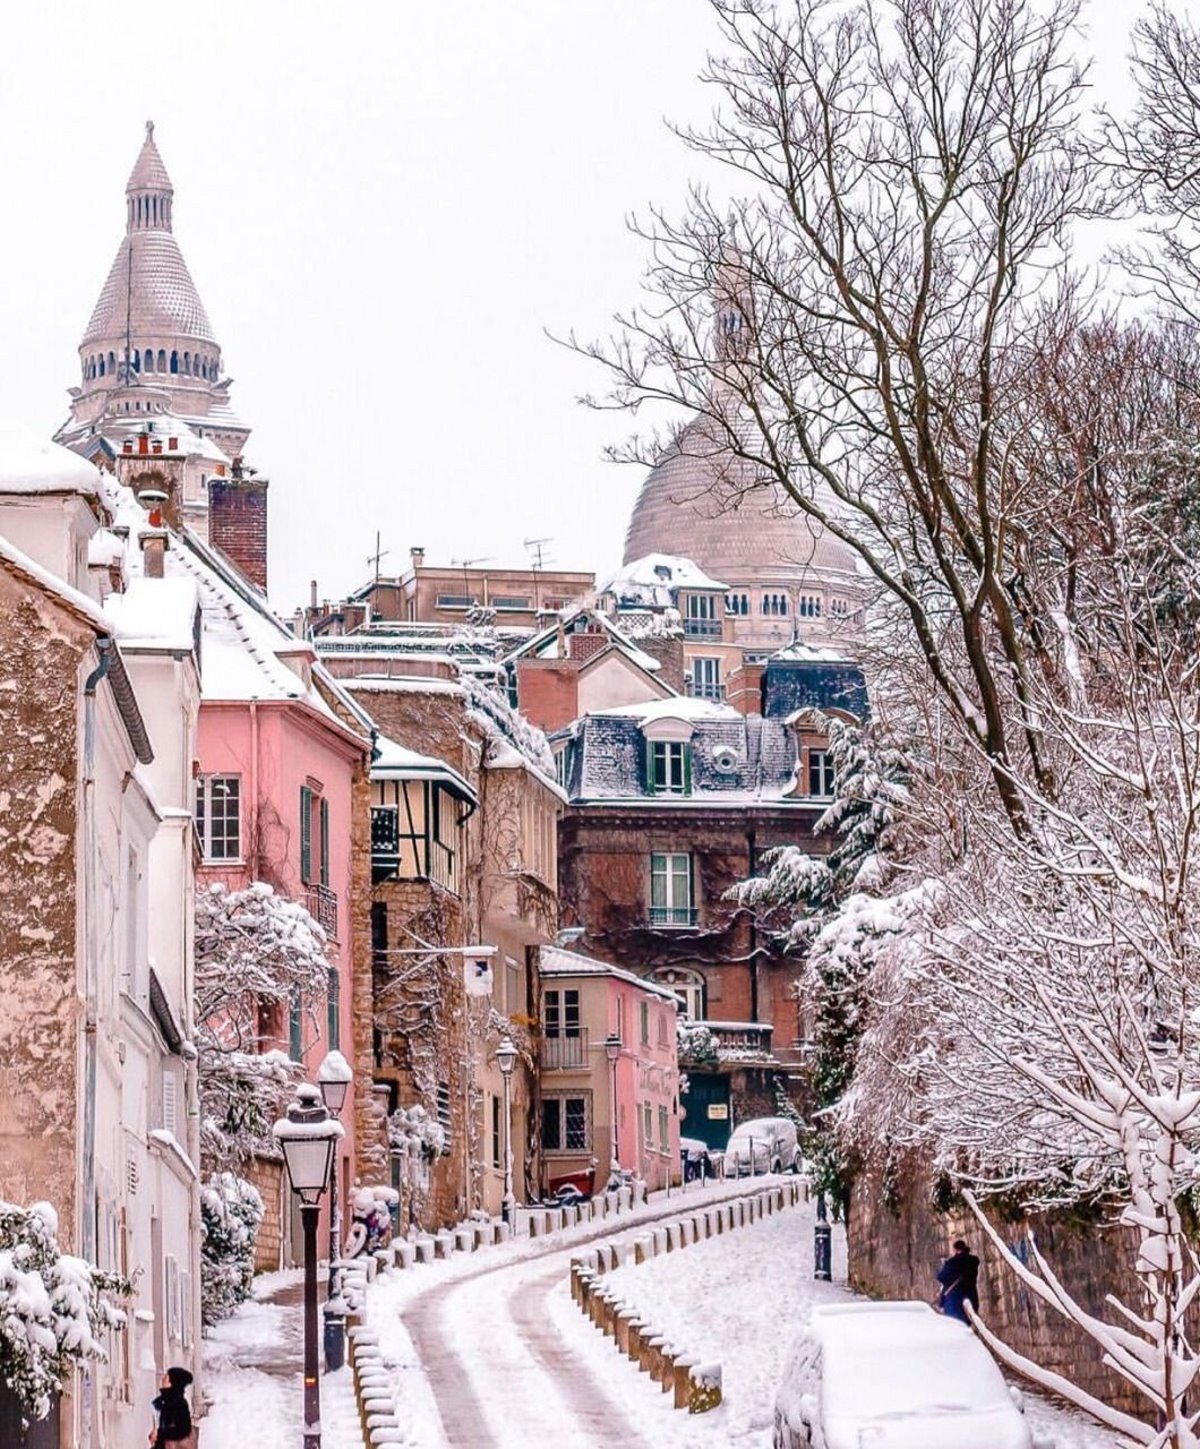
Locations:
(599, 1113)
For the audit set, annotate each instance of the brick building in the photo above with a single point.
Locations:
(673, 803)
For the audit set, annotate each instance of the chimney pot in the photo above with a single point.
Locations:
(313, 594)
(154, 551)
(143, 443)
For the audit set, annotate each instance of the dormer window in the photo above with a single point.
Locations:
(670, 767)
(820, 774)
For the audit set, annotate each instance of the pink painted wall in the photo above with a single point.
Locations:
(647, 1075)
(277, 747)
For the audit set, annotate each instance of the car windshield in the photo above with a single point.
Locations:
(874, 1375)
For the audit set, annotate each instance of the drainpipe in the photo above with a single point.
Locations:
(252, 821)
(750, 860)
(87, 1196)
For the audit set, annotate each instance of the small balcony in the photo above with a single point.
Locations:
(741, 1041)
(703, 628)
(565, 1053)
(673, 917)
(323, 908)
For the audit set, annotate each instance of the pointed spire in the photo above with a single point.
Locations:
(148, 191)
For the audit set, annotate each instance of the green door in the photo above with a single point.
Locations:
(705, 1109)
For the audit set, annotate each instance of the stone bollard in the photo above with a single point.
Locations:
(636, 1327)
(705, 1389)
(654, 1356)
(464, 1240)
(669, 1355)
(624, 1199)
(444, 1244)
(643, 1248)
(673, 1237)
(424, 1250)
(687, 1232)
(623, 1320)
(406, 1254)
(639, 1192)
(503, 1232)
(658, 1238)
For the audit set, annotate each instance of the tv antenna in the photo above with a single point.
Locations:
(533, 546)
(377, 557)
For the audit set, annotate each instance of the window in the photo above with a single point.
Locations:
(324, 859)
(809, 606)
(671, 890)
(820, 774)
(706, 679)
(688, 987)
(414, 832)
(333, 1009)
(664, 1129)
(510, 601)
(647, 1125)
(567, 1123)
(737, 604)
(443, 1114)
(700, 616)
(219, 816)
(644, 1022)
(314, 804)
(495, 1133)
(663, 1035)
(296, 1028)
(560, 1014)
(839, 608)
(456, 601)
(306, 804)
(670, 767)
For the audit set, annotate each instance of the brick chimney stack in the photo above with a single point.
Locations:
(237, 520)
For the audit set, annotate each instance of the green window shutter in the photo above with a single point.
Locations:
(324, 841)
(306, 798)
(651, 772)
(687, 768)
(334, 1015)
(295, 1033)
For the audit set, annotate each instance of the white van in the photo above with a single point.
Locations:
(765, 1144)
(895, 1376)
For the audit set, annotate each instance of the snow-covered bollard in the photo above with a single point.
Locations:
(643, 1248)
(674, 1236)
(684, 1368)
(503, 1232)
(554, 1220)
(624, 1199)
(638, 1191)
(464, 1240)
(659, 1237)
(444, 1244)
(705, 1388)
(425, 1250)
(687, 1232)
(404, 1254)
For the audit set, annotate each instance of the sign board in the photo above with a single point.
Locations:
(718, 1111)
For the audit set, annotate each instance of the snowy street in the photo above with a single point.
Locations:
(489, 1349)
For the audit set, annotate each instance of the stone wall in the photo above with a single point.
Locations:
(895, 1251)
(267, 1177)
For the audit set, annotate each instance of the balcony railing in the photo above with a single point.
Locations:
(565, 1053)
(323, 908)
(740, 1040)
(704, 689)
(673, 915)
(703, 628)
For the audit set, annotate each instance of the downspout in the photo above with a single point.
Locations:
(753, 953)
(252, 823)
(87, 1203)
(87, 1217)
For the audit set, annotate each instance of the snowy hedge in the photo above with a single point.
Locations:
(231, 1212)
(54, 1308)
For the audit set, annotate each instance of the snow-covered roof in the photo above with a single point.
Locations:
(544, 644)
(554, 961)
(155, 614)
(679, 706)
(654, 579)
(798, 651)
(409, 684)
(396, 762)
(30, 463)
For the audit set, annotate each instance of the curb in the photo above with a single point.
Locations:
(695, 1386)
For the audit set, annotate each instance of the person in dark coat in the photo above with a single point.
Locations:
(959, 1277)
(171, 1406)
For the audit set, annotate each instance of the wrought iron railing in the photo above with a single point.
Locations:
(673, 915)
(323, 908)
(565, 1053)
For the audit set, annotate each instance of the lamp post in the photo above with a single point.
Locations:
(506, 1059)
(612, 1050)
(334, 1078)
(822, 1244)
(307, 1137)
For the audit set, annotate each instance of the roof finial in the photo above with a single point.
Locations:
(149, 130)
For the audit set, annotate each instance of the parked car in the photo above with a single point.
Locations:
(697, 1160)
(895, 1376)
(764, 1144)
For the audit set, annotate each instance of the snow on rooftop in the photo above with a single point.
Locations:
(410, 684)
(30, 463)
(653, 578)
(155, 613)
(800, 652)
(54, 585)
(396, 761)
(555, 961)
(679, 706)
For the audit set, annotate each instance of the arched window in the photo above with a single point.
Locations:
(174, 361)
(783, 603)
(102, 364)
(136, 361)
(187, 362)
(148, 360)
(162, 360)
(204, 367)
(687, 985)
(112, 362)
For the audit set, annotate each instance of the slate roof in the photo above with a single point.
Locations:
(162, 298)
(790, 685)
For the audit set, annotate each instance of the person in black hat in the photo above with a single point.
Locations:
(171, 1406)
(959, 1277)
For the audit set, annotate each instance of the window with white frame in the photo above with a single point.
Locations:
(664, 1129)
(219, 816)
(706, 679)
(670, 767)
(560, 1012)
(820, 774)
(671, 889)
(567, 1122)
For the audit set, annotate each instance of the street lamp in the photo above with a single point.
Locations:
(307, 1137)
(612, 1050)
(334, 1078)
(822, 1244)
(506, 1059)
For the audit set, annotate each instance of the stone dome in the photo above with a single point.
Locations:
(158, 290)
(703, 504)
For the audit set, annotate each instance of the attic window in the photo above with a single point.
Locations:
(669, 767)
(661, 571)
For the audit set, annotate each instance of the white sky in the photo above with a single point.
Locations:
(383, 205)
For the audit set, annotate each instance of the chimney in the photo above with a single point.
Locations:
(312, 597)
(548, 691)
(237, 521)
(154, 544)
(417, 554)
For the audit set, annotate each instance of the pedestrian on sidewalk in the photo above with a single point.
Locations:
(174, 1416)
(959, 1279)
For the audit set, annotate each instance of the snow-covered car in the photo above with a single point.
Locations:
(764, 1144)
(895, 1376)
(696, 1159)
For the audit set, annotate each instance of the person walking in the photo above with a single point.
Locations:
(959, 1279)
(174, 1416)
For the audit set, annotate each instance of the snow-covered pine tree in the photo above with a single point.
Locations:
(54, 1308)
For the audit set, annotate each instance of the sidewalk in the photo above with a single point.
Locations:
(254, 1376)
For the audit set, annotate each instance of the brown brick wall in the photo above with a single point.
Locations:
(897, 1240)
(237, 524)
(267, 1177)
(548, 691)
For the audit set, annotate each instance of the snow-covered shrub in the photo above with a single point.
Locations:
(696, 1045)
(231, 1212)
(413, 1131)
(53, 1307)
